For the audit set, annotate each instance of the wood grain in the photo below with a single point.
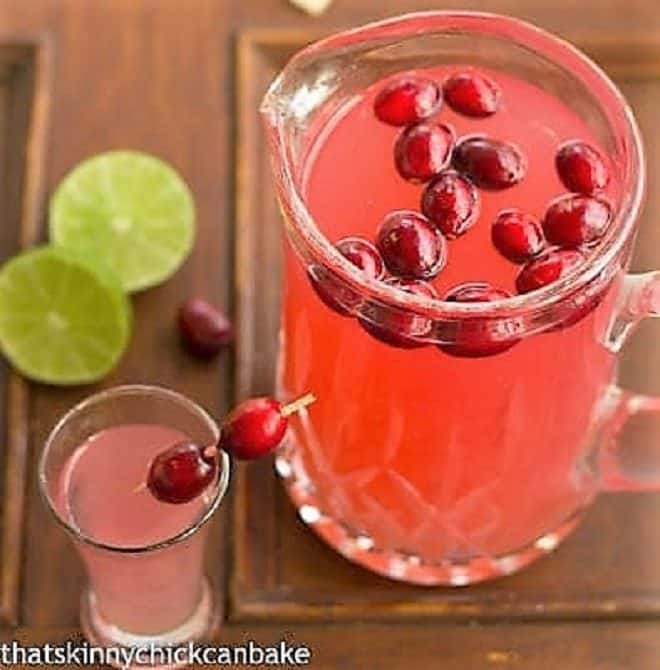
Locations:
(159, 75)
(24, 66)
(292, 574)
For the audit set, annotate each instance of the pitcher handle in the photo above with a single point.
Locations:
(640, 299)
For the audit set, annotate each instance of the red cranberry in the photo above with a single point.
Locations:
(396, 326)
(575, 220)
(490, 164)
(475, 337)
(363, 255)
(581, 168)
(179, 474)
(332, 290)
(423, 151)
(410, 246)
(476, 291)
(204, 329)
(517, 236)
(408, 100)
(254, 428)
(547, 268)
(451, 203)
(472, 94)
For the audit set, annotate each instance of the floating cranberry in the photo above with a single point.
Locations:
(451, 203)
(408, 100)
(423, 151)
(204, 329)
(476, 337)
(547, 268)
(399, 327)
(581, 168)
(488, 163)
(363, 254)
(475, 292)
(472, 94)
(575, 220)
(334, 292)
(517, 236)
(410, 245)
(180, 474)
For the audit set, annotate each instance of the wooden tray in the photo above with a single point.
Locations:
(281, 570)
(23, 102)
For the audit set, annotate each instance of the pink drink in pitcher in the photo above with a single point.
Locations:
(460, 193)
(432, 453)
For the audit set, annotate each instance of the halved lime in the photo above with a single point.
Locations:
(129, 208)
(63, 318)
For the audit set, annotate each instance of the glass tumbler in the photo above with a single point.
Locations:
(153, 593)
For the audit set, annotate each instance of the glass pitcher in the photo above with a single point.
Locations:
(419, 465)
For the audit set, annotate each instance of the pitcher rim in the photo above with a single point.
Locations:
(618, 114)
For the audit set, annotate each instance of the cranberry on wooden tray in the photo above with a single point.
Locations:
(472, 94)
(476, 337)
(575, 220)
(204, 329)
(581, 168)
(517, 236)
(451, 203)
(489, 163)
(397, 327)
(410, 245)
(407, 100)
(423, 150)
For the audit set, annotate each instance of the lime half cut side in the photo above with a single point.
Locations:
(63, 320)
(129, 208)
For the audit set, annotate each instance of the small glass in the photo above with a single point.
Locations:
(395, 471)
(154, 594)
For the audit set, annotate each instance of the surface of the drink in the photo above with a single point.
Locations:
(351, 183)
(102, 488)
(427, 453)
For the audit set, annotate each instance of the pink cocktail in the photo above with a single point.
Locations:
(144, 558)
(454, 441)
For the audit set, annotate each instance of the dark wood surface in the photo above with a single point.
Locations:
(570, 646)
(164, 76)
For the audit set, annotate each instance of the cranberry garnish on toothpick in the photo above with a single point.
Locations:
(253, 429)
(179, 474)
(257, 426)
